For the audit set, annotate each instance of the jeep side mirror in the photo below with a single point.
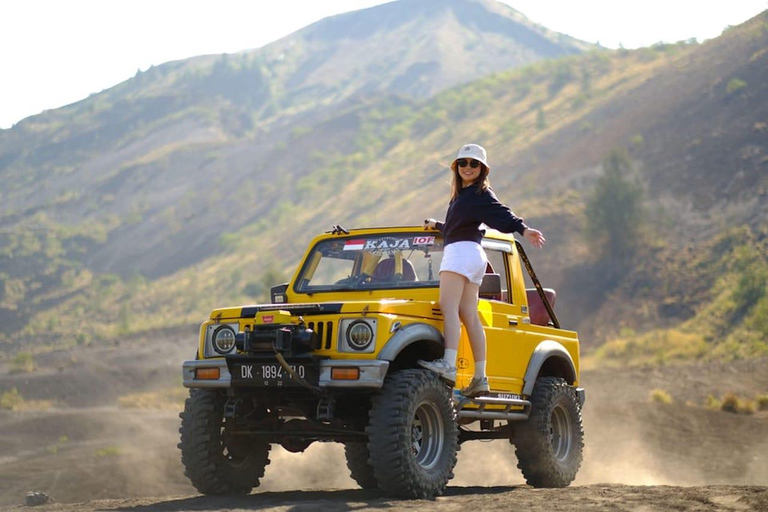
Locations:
(277, 293)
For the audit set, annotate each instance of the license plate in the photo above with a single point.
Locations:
(268, 374)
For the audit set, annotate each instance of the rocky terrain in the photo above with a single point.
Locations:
(96, 446)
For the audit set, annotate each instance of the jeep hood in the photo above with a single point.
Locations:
(395, 307)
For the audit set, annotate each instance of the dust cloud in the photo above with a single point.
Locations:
(480, 463)
(617, 450)
(321, 466)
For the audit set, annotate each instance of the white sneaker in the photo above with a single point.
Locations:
(442, 368)
(478, 386)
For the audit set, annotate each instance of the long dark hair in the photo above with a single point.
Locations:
(482, 181)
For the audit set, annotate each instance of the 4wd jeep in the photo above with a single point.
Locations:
(334, 358)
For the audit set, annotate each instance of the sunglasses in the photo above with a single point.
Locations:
(467, 162)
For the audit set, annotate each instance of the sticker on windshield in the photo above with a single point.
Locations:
(424, 240)
(354, 245)
(387, 244)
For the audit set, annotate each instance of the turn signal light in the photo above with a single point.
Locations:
(207, 373)
(345, 373)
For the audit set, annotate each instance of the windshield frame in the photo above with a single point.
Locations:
(420, 243)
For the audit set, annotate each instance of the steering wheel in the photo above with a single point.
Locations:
(354, 280)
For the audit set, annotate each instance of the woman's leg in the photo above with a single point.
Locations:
(469, 316)
(451, 291)
(471, 320)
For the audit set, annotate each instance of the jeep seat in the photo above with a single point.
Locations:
(536, 308)
(491, 287)
(385, 270)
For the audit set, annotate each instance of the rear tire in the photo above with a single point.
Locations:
(549, 444)
(358, 462)
(412, 434)
(215, 461)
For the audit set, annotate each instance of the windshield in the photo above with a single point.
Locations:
(406, 260)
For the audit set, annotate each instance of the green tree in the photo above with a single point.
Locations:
(735, 85)
(615, 212)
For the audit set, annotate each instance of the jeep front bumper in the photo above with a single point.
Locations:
(214, 373)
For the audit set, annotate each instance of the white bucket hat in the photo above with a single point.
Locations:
(471, 151)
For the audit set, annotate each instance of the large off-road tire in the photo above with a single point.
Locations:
(358, 462)
(549, 444)
(214, 460)
(412, 434)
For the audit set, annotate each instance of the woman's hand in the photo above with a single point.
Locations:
(430, 224)
(535, 237)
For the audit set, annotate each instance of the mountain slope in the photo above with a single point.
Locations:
(258, 197)
(430, 45)
(134, 181)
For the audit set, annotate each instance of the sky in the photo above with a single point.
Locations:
(57, 52)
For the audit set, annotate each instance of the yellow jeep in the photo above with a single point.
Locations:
(334, 356)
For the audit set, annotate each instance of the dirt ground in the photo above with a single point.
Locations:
(597, 497)
(89, 453)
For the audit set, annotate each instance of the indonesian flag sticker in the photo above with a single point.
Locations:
(354, 245)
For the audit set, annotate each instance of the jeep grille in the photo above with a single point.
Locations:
(324, 332)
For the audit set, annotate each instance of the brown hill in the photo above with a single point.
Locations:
(188, 187)
(697, 131)
(138, 180)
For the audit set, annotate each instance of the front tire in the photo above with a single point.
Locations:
(412, 434)
(358, 462)
(215, 461)
(549, 444)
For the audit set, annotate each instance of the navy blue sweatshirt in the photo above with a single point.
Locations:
(469, 210)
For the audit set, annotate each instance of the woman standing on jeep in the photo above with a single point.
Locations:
(464, 262)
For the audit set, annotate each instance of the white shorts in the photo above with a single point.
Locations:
(465, 258)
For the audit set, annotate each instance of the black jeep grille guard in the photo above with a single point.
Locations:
(287, 339)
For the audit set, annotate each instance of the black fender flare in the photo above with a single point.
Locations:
(407, 335)
(544, 351)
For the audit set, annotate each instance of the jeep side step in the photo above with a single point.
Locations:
(480, 413)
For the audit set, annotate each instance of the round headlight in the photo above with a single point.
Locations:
(223, 339)
(359, 335)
